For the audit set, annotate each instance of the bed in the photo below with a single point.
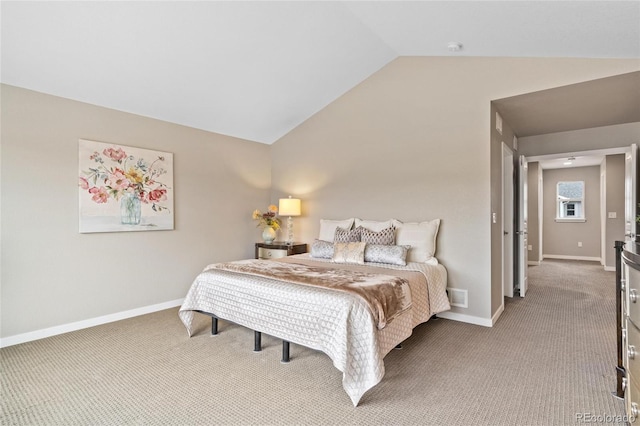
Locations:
(276, 298)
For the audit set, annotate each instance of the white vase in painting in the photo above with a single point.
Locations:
(268, 234)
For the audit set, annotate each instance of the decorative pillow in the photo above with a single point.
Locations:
(387, 236)
(322, 249)
(420, 236)
(349, 253)
(328, 228)
(373, 225)
(378, 253)
(347, 236)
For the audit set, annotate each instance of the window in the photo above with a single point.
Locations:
(570, 202)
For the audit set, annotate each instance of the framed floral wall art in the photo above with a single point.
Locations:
(123, 188)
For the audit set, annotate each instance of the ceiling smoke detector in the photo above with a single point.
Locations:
(454, 46)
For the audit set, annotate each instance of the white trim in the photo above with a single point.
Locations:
(469, 319)
(605, 151)
(565, 220)
(559, 256)
(506, 152)
(79, 325)
(533, 263)
(610, 268)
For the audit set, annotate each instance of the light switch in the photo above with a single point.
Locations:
(612, 215)
(494, 217)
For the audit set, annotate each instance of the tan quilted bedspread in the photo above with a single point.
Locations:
(386, 295)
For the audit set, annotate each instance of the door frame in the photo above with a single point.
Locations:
(522, 239)
(507, 243)
(605, 151)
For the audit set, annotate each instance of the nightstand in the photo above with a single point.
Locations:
(279, 249)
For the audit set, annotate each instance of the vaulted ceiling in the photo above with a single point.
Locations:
(256, 70)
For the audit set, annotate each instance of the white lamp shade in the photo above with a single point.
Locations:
(289, 207)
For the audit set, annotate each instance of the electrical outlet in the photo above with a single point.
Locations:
(494, 217)
(612, 215)
(579, 243)
(529, 247)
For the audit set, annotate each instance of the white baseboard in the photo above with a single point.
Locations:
(558, 256)
(486, 322)
(79, 325)
(610, 268)
(533, 263)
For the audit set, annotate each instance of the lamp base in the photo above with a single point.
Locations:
(289, 230)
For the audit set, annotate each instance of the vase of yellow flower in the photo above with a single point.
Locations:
(269, 222)
(268, 234)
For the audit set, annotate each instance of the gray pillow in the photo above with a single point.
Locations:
(386, 236)
(347, 235)
(322, 249)
(381, 253)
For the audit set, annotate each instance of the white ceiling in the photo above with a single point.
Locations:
(256, 70)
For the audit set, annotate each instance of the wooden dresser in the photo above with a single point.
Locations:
(628, 305)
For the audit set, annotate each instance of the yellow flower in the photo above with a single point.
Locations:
(134, 176)
(268, 218)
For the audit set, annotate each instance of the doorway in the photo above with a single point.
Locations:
(616, 198)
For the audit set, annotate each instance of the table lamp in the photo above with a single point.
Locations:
(289, 207)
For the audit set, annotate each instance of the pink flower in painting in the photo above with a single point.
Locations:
(100, 195)
(120, 173)
(117, 180)
(158, 195)
(115, 154)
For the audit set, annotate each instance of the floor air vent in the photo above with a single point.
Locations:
(458, 297)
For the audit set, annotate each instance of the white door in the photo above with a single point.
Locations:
(507, 220)
(523, 251)
(630, 194)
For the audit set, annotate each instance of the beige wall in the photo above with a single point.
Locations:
(561, 238)
(413, 142)
(51, 274)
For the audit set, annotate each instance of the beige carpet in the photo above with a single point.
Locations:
(550, 358)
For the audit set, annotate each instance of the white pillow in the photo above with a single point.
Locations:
(328, 228)
(374, 225)
(421, 237)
